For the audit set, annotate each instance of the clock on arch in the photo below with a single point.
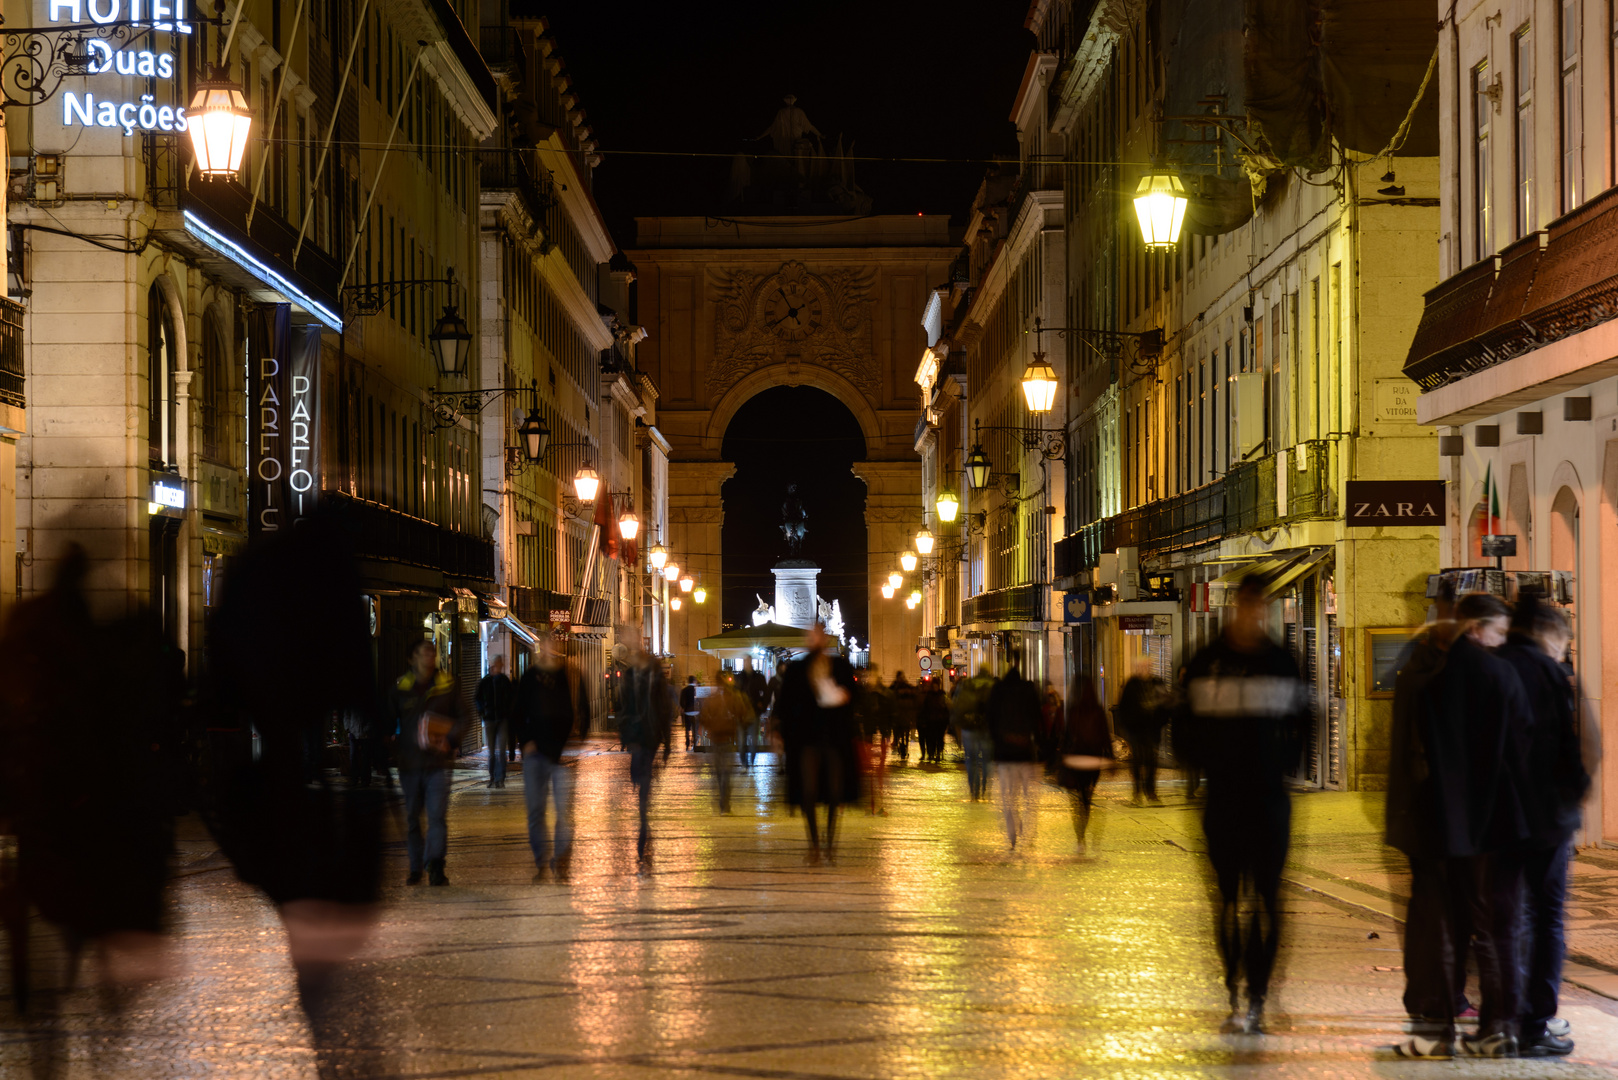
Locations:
(794, 308)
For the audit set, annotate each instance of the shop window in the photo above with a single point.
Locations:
(214, 393)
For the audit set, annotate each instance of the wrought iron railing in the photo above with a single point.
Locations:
(1017, 603)
(383, 533)
(503, 51)
(534, 606)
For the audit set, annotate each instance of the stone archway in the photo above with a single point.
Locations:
(725, 409)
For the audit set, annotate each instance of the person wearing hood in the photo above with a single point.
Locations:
(1557, 783)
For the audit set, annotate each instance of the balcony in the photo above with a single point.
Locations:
(11, 369)
(388, 535)
(534, 606)
(1298, 484)
(503, 51)
(508, 170)
(1018, 603)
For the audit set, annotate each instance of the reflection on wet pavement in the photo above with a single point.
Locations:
(927, 951)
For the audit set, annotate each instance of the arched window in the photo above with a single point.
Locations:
(162, 362)
(214, 396)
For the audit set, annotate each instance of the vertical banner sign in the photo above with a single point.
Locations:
(284, 451)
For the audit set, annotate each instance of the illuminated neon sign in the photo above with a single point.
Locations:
(168, 16)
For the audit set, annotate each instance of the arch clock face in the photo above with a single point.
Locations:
(793, 312)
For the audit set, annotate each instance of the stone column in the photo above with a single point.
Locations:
(893, 516)
(695, 517)
(795, 592)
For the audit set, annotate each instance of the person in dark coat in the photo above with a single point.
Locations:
(550, 709)
(906, 704)
(1558, 781)
(1083, 750)
(426, 706)
(645, 706)
(1141, 716)
(816, 707)
(1015, 713)
(757, 688)
(1248, 709)
(932, 721)
(1438, 922)
(1474, 725)
(494, 700)
(688, 711)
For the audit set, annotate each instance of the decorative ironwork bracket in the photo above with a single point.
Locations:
(1050, 442)
(371, 297)
(35, 60)
(450, 407)
(1109, 344)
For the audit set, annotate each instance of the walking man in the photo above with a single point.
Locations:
(644, 728)
(493, 702)
(753, 684)
(688, 710)
(1249, 707)
(1140, 714)
(1014, 719)
(430, 725)
(551, 708)
(969, 712)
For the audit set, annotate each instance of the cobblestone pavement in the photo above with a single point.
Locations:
(927, 951)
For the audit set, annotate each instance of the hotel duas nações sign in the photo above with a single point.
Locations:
(88, 110)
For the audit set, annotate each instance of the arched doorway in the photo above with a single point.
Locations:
(798, 435)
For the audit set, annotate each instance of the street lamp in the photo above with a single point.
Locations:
(534, 435)
(915, 596)
(586, 482)
(671, 572)
(658, 556)
(450, 340)
(674, 603)
(628, 525)
(924, 542)
(699, 594)
(907, 561)
(895, 579)
(910, 602)
(1039, 385)
(887, 592)
(219, 121)
(948, 505)
(978, 469)
(1160, 203)
(686, 582)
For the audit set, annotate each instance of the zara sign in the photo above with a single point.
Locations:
(1394, 502)
(166, 16)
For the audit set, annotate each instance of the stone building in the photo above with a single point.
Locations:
(1514, 351)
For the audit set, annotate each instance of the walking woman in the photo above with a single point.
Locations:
(1085, 749)
(818, 731)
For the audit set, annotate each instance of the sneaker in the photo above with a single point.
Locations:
(1559, 1027)
(1498, 1045)
(1424, 1049)
(559, 867)
(1548, 1045)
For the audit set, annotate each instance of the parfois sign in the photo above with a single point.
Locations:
(285, 379)
(1394, 502)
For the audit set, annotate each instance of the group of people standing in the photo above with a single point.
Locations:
(1485, 784)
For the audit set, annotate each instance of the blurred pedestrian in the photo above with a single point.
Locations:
(906, 703)
(644, 727)
(551, 709)
(1249, 708)
(430, 726)
(969, 712)
(1014, 720)
(725, 713)
(1051, 722)
(1438, 922)
(1474, 727)
(873, 708)
(1557, 783)
(752, 683)
(688, 711)
(932, 721)
(1140, 714)
(1084, 748)
(818, 729)
(494, 699)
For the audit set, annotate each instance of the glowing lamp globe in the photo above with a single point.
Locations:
(658, 556)
(948, 505)
(534, 435)
(907, 561)
(978, 470)
(910, 602)
(586, 482)
(699, 594)
(895, 578)
(674, 603)
(687, 583)
(915, 596)
(671, 572)
(924, 542)
(887, 592)
(628, 525)
(219, 121)
(1039, 385)
(1160, 204)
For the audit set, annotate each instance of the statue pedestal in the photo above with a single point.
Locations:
(795, 592)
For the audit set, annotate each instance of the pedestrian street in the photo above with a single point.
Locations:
(927, 950)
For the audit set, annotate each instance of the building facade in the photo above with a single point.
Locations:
(1513, 354)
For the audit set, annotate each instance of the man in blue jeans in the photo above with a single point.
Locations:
(969, 713)
(645, 706)
(431, 723)
(551, 706)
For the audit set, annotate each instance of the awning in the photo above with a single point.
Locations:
(1262, 566)
(222, 541)
(764, 636)
(1306, 565)
(516, 626)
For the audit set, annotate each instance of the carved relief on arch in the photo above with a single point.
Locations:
(792, 316)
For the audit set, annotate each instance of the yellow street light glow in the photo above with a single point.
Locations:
(924, 542)
(628, 525)
(687, 582)
(659, 555)
(1160, 204)
(219, 121)
(907, 561)
(910, 602)
(895, 578)
(887, 592)
(586, 482)
(1039, 385)
(699, 594)
(671, 572)
(915, 596)
(674, 603)
(948, 505)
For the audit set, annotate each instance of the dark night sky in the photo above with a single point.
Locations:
(896, 78)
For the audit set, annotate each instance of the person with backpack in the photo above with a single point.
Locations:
(1015, 712)
(969, 713)
(551, 708)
